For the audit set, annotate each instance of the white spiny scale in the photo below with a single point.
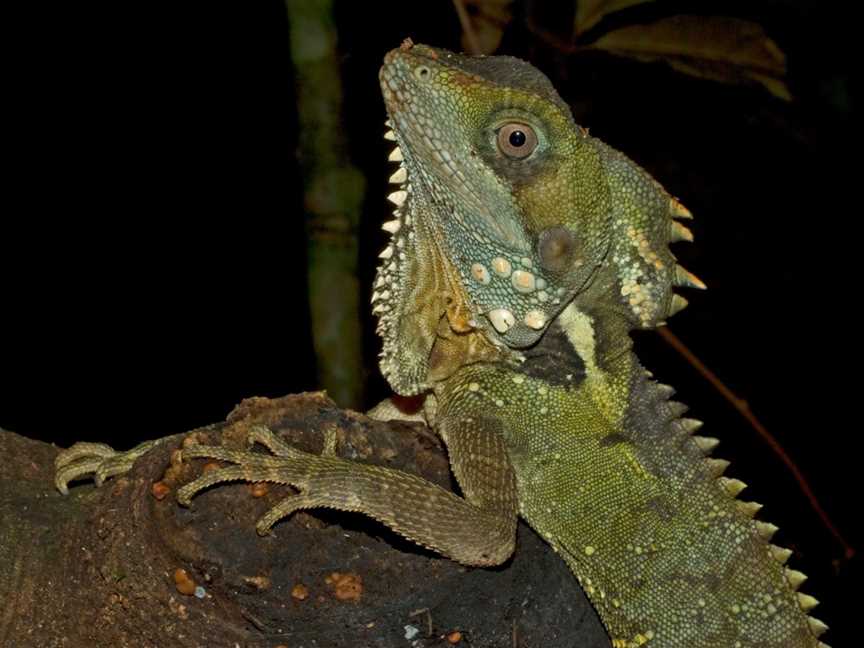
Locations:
(375, 296)
(780, 554)
(399, 176)
(690, 425)
(807, 602)
(678, 210)
(392, 226)
(749, 509)
(717, 466)
(395, 155)
(502, 319)
(390, 136)
(398, 197)
(687, 279)
(677, 304)
(706, 444)
(818, 627)
(767, 530)
(667, 391)
(386, 253)
(796, 578)
(733, 486)
(681, 233)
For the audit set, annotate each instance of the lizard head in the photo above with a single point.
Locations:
(506, 211)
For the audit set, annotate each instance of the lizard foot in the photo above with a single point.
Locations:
(286, 465)
(476, 531)
(100, 459)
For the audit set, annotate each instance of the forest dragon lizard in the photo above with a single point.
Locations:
(523, 252)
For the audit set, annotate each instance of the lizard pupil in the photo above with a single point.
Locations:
(517, 140)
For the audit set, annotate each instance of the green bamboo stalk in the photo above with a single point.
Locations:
(333, 198)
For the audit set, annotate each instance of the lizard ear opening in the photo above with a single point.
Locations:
(555, 248)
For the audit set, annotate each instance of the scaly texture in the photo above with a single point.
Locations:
(523, 253)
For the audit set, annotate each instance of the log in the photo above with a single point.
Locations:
(99, 567)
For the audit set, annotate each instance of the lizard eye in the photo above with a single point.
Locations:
(517, 140)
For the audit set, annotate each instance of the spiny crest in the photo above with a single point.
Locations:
(390, 280)
(683, 278)
(765, 530)
(644, 222)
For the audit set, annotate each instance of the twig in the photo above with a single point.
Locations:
(428, 614)
(467, 27)
(551, 39)
(744, 409)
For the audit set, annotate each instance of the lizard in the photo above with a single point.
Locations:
(523, 252)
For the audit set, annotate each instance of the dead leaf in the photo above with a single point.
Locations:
(483, 23)
(711, 47)
(591, 12)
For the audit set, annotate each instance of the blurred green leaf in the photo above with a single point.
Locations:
(591, 12)
(711, 47)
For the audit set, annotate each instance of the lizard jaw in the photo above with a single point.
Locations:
(426, 319)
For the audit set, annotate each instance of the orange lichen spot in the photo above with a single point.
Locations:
(181, 611)
(259, 489)
(346, 587)
(159, 490)
(258, 582)
(299, 592)
(183, 582)
(210, 465)
(454, 637)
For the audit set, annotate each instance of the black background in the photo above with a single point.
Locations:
(152, 253)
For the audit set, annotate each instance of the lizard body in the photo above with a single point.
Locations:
(523, 253)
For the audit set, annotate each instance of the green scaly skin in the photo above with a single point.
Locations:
(517, 268)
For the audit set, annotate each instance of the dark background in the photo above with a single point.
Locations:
(152, 257)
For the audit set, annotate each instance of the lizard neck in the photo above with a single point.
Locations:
(604, 349)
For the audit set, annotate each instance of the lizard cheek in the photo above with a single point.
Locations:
(555, 247)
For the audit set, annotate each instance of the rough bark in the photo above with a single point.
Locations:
(97, 568)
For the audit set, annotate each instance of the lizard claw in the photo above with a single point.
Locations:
(98, 459)
(286, 465)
